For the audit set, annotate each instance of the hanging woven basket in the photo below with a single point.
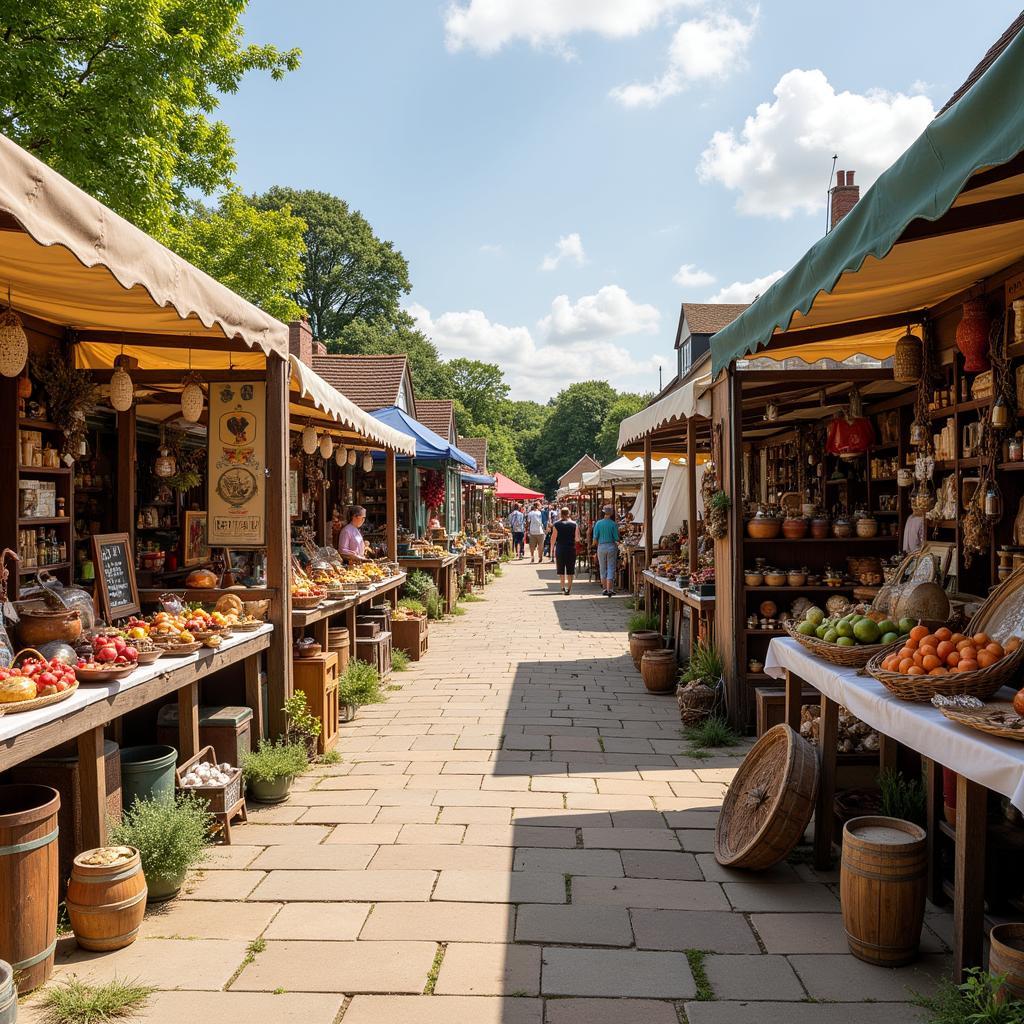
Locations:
(341, 456)
(906, 363)
(122, 390)
(309, 439)
(192, 399)
(326, 446)
(13, 344)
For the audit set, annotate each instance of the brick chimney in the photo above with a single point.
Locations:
(300, 341)
(319, 348)
(844, 196)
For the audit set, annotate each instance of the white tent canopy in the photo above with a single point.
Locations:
(625, 472)
(669, 515)
(682, 404)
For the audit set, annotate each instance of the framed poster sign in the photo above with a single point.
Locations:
(115, 575)
(197, 548)
(237, 462)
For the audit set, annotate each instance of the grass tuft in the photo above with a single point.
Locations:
(698, 754)
(331, 757)
(712, 732)
(695, 958)
(976, 1001)
(74, 1002)
(473, 599)
(399, 660)
(435, 969)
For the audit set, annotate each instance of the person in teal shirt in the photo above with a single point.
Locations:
(606, 536)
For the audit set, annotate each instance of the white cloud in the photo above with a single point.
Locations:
(535, 370)
(779, 163)
(569, 248)
(710, 47)
(689, 275)
(487, 25)
(746, 291)
(610, 313)
(492, 249)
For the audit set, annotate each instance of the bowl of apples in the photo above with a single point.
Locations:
(113, 657)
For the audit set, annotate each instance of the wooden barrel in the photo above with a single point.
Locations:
(338, 641)
(1005, 956)
(882, 885)
(660, 671)
(28, 881)
(106, 902)
(8, 994)
(643, 640)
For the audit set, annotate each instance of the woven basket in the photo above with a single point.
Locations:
(696, 701)
(769, 803)
(856, 656)
(1000, 617)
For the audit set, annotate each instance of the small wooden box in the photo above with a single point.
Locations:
(377, 652)
(227, 729)
(317, 678)
(380, 612)
(410, 635)
(366, 627)
(771, 705)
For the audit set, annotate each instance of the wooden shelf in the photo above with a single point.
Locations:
(52, 567)
(44, 470)
(821, 540)
(951, 410)
(27, 424)
(43, 520)
(816, 587)
(1011, 467)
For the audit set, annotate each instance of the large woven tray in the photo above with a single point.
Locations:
(769, 803)
(37, 702)
(1001, 617)
(996, 719)
(856, 656)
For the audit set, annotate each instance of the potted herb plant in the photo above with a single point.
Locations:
(700, 684)
(303, 726)
(359, 685)
(270, 770)
(171, 836)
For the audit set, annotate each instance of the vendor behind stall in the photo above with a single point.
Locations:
(351, 545)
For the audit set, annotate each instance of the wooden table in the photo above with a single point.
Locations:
(83, 716)
(317, 620)
(440, 569)
(981, 762)
(701, 610)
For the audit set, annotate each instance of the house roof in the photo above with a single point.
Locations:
(584, 464)
(436, 413)
(372, 382)
(477, 447)
(986, 62)
(709, 317)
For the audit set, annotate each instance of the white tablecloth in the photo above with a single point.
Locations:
(995, 763)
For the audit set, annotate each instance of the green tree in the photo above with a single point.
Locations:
(256, 254)
(117, 95)
(479, 387)
(607, 441)
(349, 273)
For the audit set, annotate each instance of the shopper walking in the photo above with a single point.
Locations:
(535, 532)
(517, 524)
(606, 537)
(547, 517)
(565, 537)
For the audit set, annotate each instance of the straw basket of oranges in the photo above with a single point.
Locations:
(978, 661)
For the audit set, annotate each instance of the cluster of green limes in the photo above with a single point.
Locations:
(849, 630)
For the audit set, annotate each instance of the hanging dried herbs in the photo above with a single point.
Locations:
(71, 396)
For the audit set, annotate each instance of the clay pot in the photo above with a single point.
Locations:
(40, 625)
(972, 335)
(842, 527)
(754, 579)
(794, 529)
(820, 527)
(867, 526)
(660, 671)
(641, 641)
(796, 579)
(764, 528)
(775, 579)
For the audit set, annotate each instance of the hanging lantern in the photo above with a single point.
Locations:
(326, 446)
(24, 386)
(1000, 414)
(992, 503)
(341, 456)
(192, 398)
(122, 390)
(367, 462)
(309, 439)
(972, 335)
(906, 364)
(351, 456)
(13, 344)
(165, 464)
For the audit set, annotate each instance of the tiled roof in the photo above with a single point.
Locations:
(372, 382)
(436, 414)
(986, 62)
(477, 447)
(709, 317)
(584, 464)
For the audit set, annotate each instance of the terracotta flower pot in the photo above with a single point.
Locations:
(794, 528)
(763, 528)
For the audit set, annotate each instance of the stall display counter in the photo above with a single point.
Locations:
(677, 602)
(981, 762)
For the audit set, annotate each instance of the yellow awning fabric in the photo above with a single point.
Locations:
(70, 260)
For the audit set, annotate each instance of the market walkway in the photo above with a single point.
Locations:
(515, 837)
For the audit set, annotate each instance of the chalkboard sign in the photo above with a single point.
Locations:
(115, 575)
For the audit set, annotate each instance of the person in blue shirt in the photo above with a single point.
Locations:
(545, 519)
(606, 536)
(517, 524)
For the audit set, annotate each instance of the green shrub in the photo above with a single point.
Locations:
(435, 605)
(712, 732)
(902, 797)
(399, 660)
(170, 834)
(413, 605)
(641, 621)
(705, 665)
(418, 584)
(497, 570)
(272, 761)
(976, 1001)
(303, 726)
(360, 684)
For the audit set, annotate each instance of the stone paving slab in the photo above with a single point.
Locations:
(443, 1010)
(332, 921)
(615, 973)
(573, 925)
(475, 969)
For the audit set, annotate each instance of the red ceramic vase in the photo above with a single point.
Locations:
(972, 335)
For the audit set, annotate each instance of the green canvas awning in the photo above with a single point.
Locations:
(946, 214)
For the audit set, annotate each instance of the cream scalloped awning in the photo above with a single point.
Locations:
(684, 403)
(69, 260)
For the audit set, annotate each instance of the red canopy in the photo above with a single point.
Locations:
(509, 490)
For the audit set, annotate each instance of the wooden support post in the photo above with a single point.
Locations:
(279, 661)
(691, 486)
(969, 877)
(92, 776)
(888, 753)
(933, 816)
(126, 474)
(794, 696)
(824, 811)
(391, 497)
(254, 697)
(648, 503)
(188, 720)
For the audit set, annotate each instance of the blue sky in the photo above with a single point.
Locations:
(549, 166)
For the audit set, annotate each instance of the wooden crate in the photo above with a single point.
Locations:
(377, 652)
(224, 802)
(317, 678)
(771, 705)
(410, 635)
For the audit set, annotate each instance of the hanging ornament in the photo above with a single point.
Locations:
(13, 341)
(1000, 414)
(992, 503)
(165, 465)
(326, 446)
(122, 390)
(192, 398)
(341, 456)
(972, 335)
(309, 439)
(367, 462)
(906, 364)
(351, 456)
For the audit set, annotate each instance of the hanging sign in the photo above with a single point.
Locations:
(236, 456)
(115, 574)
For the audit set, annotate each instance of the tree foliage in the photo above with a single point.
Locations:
(607, 442)
(349, 274)
(117, 95)
(256, 254)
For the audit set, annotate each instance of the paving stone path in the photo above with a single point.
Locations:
(516, 837)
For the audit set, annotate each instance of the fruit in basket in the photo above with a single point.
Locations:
(15, 689)
(942, 652)
(1018, 702)
(851, 629)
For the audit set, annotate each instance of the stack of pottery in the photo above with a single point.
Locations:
(794, 528)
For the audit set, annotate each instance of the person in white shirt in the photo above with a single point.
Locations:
(535, 533)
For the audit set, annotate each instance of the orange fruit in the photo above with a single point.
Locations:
(940, 671)
(953, 658)
(919, 633)
(986, 658)
(967, 665)
(1012, 644)
(905, 664)
(927, 649)
(942, 633)
(995, 648)
(964, 643)
(944, 649)
(956, 638)
(981, 639)
(930, 661)
(969, 653)
(911, 644)
(915, 670)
